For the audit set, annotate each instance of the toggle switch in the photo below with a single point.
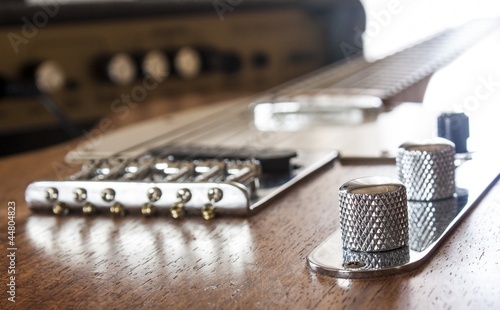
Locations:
(454, 127)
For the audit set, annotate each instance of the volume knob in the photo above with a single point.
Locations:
(427, 169)
(373, 214)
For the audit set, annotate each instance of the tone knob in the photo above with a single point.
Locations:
(121, 69)
(373, 214)
(427, 169)
(188, 62)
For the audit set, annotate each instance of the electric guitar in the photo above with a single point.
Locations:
(229, 160)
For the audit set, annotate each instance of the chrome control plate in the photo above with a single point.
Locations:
(430, 224)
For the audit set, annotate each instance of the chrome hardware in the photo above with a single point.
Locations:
(117, 209)
(210, 171)
(154, 194)
(88, 209)
(60, 209)
(148, 209)
(80, 194)
(373, 214)
(108, 194)
(430, 223)
(208, 211)
(214, 194)
(177, 209)
(184, 195)
(157, 182)
(51, 194)
(427, 169)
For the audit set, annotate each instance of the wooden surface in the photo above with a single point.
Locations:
(254, 263)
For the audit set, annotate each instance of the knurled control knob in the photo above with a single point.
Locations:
(427, 169)
(373, 214)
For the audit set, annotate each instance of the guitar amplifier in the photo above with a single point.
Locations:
(94, 57)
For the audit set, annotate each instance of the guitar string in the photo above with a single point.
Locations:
(385, 66)
(378, 75)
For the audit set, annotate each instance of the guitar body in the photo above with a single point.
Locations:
(255, 262)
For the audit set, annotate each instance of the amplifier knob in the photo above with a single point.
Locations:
(156, 65)
(49, 77)
(188, 63)
(121, 69)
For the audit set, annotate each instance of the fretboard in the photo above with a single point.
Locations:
(388, 77)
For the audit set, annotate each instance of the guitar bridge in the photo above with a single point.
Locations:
(175, 181)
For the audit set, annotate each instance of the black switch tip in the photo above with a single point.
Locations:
(454, 127)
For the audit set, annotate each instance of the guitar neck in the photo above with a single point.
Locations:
(390, 76)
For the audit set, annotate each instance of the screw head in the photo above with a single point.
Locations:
(148, 209)
(60, 209)
(88, 209)
(154, 194)
(208, 211)
(117, 209)
(184, 195)
(215, 194)
(80, 194)
(353, 265)
(177, 210)
(51, 194)
(108, 194)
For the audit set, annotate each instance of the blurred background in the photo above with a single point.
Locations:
(66, 64)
